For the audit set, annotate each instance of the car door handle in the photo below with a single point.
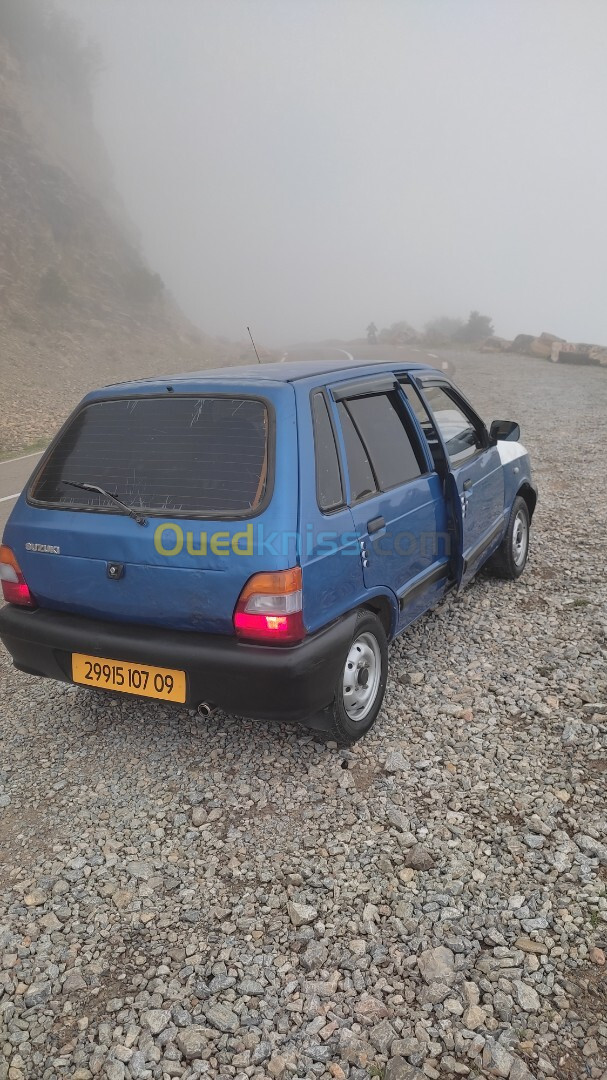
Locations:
(467, 485)
(376, 524)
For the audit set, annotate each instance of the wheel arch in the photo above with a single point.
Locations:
(386, 612)
(528, 493)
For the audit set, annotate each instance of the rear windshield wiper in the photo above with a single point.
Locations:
(139, 518)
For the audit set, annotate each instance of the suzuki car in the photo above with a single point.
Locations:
(253, 538)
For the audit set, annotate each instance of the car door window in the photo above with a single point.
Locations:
(362, 480)
(328, 475)
(426, 423)
(461, 436)
(380, 421)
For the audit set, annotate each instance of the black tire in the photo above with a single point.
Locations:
(339, 724)
(505, 563)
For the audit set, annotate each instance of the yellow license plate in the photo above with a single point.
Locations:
(141, 679)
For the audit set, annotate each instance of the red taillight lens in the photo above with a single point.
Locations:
(14, 586)
(269, 608)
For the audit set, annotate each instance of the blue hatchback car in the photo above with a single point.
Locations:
(253, 538)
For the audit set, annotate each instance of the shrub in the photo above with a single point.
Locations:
(444, 328)
(478, 328)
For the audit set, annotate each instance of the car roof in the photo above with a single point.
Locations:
(290, 370)
(282, 372)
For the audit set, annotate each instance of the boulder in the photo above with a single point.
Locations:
(496, 344)
(549, 338)
(568, 353)
(521, 343)
(541, 348)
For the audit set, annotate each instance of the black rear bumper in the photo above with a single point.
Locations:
(290, 683)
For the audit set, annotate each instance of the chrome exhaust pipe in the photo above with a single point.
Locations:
(206, 710)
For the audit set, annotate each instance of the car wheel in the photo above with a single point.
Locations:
(510, 558)
(362, 682)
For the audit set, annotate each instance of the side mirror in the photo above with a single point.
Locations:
(505, 430)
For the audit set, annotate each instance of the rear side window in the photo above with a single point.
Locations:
(380, 422)
(362, 480)
(328, 475)
(170, 455)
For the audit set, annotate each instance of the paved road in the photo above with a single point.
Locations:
(13, 475)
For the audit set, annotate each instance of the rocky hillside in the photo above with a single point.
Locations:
(78, 305)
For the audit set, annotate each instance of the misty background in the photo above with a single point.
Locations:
(307, 166)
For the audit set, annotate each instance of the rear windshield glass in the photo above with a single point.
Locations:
(184, 455)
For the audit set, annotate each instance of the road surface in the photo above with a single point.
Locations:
(13, 475)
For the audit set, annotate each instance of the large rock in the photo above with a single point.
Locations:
(541, 348)
(565, 352)
(521, 343)
(528, 998)
(369, 1009)
(354, 1049)
(35, 898)
(528, 945)
(397, 818)
(496, 344)
(155, 1020)
(419, 858)
(594, 849)
(395, 762)
(497, 1061)
(474, 1017)
(301, 914)
(437, 965)
(314, 957)
(191, 1041)
(322, 988)
(37, 994)
(599, 354)
(549, 338)
(221, 1017)
(382, 1036)
(399, 1069)
(261, 1052)
(140, 870)
(433, 993)
(73, 983)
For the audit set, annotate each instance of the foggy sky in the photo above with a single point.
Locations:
(305, 166)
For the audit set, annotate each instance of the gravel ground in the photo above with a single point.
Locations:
(185, 898)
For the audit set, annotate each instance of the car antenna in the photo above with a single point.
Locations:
(254, 345)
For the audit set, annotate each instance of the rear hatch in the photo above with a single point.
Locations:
(212, 471)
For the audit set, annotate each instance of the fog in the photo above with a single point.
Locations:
(306, 166)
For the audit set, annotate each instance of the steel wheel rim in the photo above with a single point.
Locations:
(362, 676)
(520, 538)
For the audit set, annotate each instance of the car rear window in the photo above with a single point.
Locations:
(169, 455)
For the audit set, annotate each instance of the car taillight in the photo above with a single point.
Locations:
(269, 608)
(14, 586)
